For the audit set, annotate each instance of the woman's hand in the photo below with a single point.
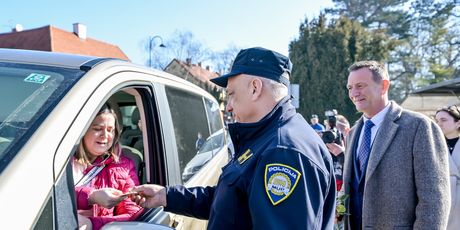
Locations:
(106, 197)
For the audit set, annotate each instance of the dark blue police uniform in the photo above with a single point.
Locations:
(281, 177)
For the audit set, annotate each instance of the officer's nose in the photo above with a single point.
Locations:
(229, 106)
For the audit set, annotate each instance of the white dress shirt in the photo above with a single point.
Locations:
(377, 120)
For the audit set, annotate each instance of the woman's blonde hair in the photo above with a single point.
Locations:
(82, 155)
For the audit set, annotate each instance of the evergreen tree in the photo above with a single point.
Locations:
(321, 57)
(427, 36)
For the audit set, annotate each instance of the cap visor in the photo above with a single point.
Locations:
(223, 80)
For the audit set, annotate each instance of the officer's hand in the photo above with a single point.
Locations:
(149, 196)
(335, 148)
(106, 197)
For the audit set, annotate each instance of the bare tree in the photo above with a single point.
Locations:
(222, 60)
(182, 45)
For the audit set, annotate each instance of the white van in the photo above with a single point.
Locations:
(47, 103)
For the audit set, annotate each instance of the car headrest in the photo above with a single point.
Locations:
(135, 116)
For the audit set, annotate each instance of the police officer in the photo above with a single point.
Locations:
(281, 176)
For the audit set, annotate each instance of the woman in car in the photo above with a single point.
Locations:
(448, 118)
(99, 167)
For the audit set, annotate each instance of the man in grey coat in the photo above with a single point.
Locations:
(396, 169)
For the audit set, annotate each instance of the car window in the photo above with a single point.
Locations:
(45, 218)
(217, 129)
(28, 94)
(190, 123)
(214, 115)
(126, 112)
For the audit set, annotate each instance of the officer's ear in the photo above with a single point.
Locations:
(256, 87)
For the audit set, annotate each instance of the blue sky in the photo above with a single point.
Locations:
(217, 24)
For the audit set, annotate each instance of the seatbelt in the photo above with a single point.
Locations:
(86, 179)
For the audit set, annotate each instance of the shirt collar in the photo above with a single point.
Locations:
(378, 118)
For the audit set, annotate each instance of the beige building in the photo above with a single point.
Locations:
(194, 73)
(428, 99)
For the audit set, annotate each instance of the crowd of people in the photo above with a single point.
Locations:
(394, 168)
(333, 134)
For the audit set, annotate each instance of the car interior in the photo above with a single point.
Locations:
(127, 104)
(131, 138)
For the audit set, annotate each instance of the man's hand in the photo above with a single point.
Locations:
(150, 196)
(335, 148)
(106, 197)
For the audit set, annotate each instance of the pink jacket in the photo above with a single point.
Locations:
(121, 176)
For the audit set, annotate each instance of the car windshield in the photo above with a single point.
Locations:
(28, 93)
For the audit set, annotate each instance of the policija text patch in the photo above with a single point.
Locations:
(280, 181)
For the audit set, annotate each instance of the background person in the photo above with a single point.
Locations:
(448, 118)
(315, 124)
(396, 166)
(281, 176)
(338, 158)
(100, 148)
(199, 141)
(343, 125)
(333, 140)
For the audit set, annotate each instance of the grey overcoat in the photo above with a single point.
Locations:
(407, 178)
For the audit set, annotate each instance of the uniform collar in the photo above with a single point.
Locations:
(241, 133)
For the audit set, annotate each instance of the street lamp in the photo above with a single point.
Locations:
(151, 40)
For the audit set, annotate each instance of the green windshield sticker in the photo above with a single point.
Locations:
(37, 78)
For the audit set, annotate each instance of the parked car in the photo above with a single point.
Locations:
(212, 146)
(48, 102)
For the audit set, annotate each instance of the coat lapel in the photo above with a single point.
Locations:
(352, 141)
(454, 161)
(349, 155)
(384, 138)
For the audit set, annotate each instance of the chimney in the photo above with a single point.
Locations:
(199, 64)
(207, 68)
(80, 30)
(17, 28)
(188, 61)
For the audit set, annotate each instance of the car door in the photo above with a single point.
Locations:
(93, 100)
(167, 147)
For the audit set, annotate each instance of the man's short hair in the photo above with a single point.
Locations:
(379, 72)
(278, 90)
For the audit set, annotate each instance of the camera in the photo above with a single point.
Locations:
(329, 136)
(330, 113)
(332, 135)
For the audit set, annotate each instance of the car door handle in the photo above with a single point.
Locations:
(177, 224)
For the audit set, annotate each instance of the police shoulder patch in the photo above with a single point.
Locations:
(280, 181)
